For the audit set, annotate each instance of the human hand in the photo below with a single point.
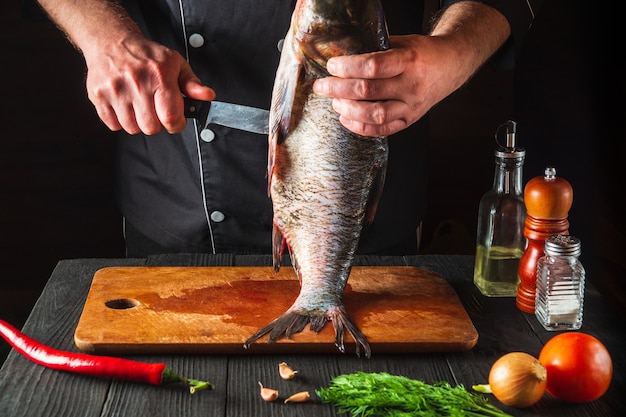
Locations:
(137, 85)
(381, 93)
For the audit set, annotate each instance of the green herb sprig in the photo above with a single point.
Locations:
(384, 395)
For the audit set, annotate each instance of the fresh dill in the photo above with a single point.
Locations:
(384, 395)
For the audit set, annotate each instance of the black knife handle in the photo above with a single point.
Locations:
(196, 109)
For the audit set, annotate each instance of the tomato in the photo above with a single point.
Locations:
(579, 367)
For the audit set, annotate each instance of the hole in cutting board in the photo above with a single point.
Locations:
(121, 303)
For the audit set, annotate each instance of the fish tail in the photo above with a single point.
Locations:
(291, 323)
(342, 321)
(286, 325)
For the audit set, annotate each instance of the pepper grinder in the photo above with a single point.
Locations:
(548, 200)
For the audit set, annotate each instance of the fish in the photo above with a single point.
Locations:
(324, 181)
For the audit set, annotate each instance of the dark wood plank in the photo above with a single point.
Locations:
(133, 399)
(25, 386)
(245, 373)
(502, 328)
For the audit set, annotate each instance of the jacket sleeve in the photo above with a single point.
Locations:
(520, 14)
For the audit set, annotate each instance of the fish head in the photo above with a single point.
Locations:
(327, 28)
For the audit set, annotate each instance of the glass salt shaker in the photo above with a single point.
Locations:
(560, 284)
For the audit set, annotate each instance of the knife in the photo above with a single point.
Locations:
(236, 116)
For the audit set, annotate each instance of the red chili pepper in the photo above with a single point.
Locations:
(103, 366)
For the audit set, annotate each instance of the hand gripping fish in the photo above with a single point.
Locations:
(324, 180)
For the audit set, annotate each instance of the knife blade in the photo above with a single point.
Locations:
(236, 116)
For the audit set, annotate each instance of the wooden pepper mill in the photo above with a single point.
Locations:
(548, 200)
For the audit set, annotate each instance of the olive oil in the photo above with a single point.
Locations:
(496, 270)
(500, 241)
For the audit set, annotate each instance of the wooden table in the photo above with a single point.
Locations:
(27, 389)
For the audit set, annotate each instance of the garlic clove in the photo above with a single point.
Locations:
(298, 397)
(285, 371)
(268, 394)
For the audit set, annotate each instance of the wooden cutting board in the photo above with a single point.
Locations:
(179, 310)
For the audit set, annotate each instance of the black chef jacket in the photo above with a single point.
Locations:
(195, 195)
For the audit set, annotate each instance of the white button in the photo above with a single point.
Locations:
(280, 44)
(207, 135)
(196, 40)
(217, 216)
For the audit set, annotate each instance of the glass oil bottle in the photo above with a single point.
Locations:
(500, 241)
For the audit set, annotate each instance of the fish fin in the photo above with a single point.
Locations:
(291, 323)
(296, 265)
(278, 246)
(298, 324)
(292, 86)
(283, 95)
(287, 110)
(286, 325)
(270, 168)
(341, 320)
(375, 193)
(271, 159)
(284, 112)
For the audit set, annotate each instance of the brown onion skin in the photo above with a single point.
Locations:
(518, 379)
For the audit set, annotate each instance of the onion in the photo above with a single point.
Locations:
(518, 379)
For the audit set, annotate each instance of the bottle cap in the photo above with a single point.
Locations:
(509, 150)
(562, 245)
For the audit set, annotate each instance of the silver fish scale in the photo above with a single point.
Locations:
(320, 191)
(321, 174)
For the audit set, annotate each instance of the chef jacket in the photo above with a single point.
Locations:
(207, 191)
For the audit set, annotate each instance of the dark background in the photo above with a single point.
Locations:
(56, 157)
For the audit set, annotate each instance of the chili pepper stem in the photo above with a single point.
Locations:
(195, 385)
(170, 377)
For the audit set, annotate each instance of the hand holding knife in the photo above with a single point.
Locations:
(236, 116)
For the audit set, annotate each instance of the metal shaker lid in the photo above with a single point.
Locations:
(562, 245)
(510, 150)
